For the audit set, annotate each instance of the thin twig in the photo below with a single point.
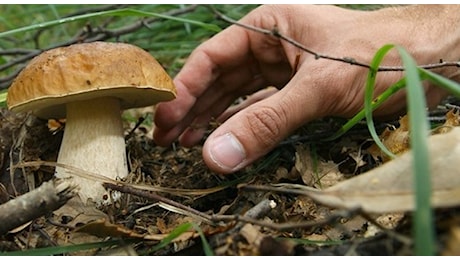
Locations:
(276, 33)
(17, 51)
(338, 215)
(249, 217)
(140, 120)
(288, 226)
(153, 196)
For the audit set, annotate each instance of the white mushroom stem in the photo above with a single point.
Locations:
(93, 141)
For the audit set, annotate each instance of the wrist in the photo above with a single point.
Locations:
(431, 33)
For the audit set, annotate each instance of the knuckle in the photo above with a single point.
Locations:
(266, 125)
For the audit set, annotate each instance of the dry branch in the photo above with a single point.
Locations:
(38, 202)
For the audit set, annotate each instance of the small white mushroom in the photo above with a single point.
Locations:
(90, 84)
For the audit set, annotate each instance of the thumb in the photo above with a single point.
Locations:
(257, 129)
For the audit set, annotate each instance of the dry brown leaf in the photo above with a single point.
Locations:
(79, 213)
(453, 241)
(389, 188)
(304, 164)
(283, 174)
(452, 120)
(252, 234)
(161, 225)
(397, 141)
(388, 221)
(317, 173)
(317, 237)
(103, 228)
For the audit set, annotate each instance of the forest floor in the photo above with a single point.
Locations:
(171, 203)
(169, 188)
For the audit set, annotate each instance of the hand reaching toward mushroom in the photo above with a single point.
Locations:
(238, 62)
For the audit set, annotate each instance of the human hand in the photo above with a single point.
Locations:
(238, 62)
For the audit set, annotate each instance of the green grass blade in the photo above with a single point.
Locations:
(368, 96)
(5, 21)
(419, 130)
(55, 12)
(3, 94)
(303, 241)
(362, 114)
(186, 25)
(58, 250)
(119, 12)
(179, 230)
(452, 86)
(206, 247)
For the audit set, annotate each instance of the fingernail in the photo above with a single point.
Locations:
(227, 152)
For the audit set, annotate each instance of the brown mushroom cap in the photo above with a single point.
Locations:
(87, 71)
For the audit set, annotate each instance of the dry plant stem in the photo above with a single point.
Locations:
(349, 60)
(334, 218)
(46, 198)
(288, 225)
(153, 196)
(16, 153)
(257, 211)
(248, 218)
(93, 141)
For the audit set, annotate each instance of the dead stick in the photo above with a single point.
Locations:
(38, 202)
(153, 196)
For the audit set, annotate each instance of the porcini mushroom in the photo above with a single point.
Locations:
(90, 84)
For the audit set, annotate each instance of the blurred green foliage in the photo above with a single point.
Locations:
(169, 41)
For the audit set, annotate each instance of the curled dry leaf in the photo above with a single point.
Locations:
(103, 228)
(452, 120)
(389, 188)
(397, 141)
